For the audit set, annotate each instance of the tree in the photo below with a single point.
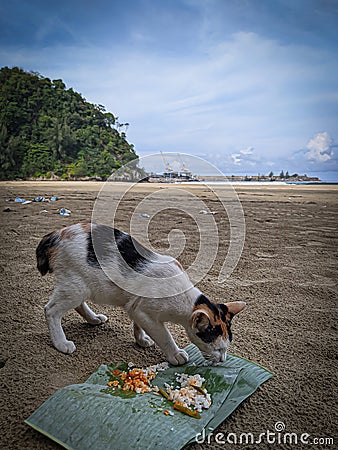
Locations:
(47, 128)
(37, 160)
(271, 174)
(281, 175)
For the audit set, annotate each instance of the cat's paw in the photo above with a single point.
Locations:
(178, 358)
(99, 319)
(145, 341)
(66, 347)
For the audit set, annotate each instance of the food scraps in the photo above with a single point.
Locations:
(187, 394)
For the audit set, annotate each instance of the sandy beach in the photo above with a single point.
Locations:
(287, 274)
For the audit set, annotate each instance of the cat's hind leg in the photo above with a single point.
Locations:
(141, 337)
(61, 301)
(89, 315)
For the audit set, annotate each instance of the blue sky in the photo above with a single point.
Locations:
(249, 85)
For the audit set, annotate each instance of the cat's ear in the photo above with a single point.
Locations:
(200, 321)
(235, 307)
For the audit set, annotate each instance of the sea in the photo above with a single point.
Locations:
(267, 183)
(326, 178)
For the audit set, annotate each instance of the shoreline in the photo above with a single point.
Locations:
(97, 185)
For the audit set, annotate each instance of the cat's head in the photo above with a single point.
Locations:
(210, 327)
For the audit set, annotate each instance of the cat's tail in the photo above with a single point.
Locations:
(45, 251)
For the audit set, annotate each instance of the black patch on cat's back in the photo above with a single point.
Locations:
(107, 239)
(133, 253)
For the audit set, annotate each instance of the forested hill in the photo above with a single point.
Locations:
(49, 131)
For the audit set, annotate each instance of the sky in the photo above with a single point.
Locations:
(249, 85)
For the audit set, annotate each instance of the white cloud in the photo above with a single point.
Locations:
(236, 158)
(320, 148)
(247, 151)
(243, 157)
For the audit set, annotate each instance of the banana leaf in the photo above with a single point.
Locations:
(84, 416)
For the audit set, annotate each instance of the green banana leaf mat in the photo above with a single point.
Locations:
(84, 417)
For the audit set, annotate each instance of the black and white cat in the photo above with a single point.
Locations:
(152, 288)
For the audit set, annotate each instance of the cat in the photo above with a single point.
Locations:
(152, 288)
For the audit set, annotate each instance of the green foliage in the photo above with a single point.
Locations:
(37, 160)
(46, 130)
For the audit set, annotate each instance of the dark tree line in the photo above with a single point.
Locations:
(47, 130)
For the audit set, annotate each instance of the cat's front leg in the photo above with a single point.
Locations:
(161, 335)
(178, 358)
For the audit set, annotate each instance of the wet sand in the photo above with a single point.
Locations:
(287, 274)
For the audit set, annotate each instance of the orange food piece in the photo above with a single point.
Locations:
(186, 410)
(134, 380)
